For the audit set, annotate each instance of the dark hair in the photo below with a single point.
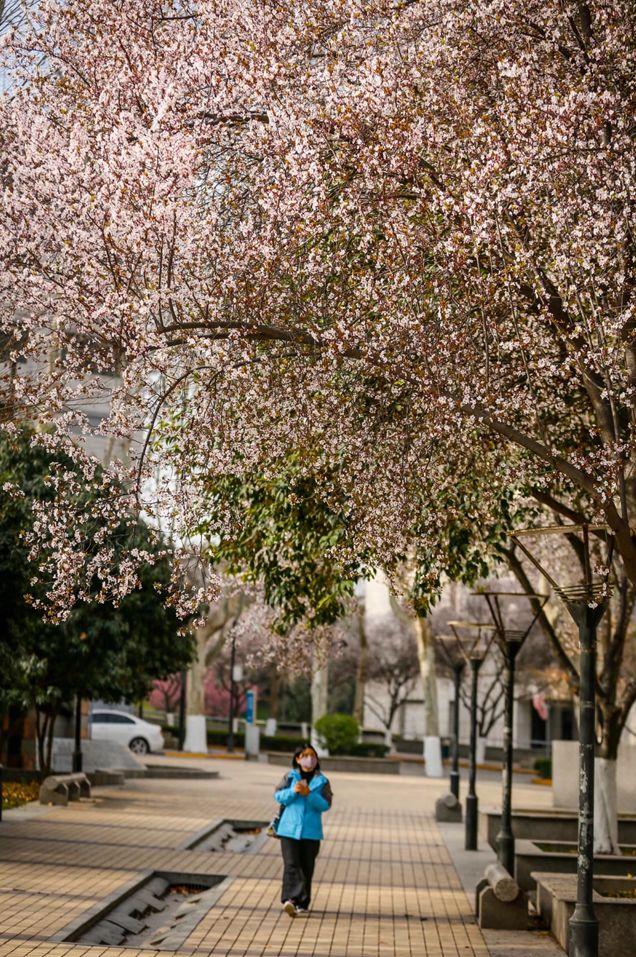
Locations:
(299, 750)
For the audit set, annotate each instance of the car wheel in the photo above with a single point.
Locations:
(139, 746)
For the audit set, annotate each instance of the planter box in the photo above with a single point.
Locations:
(556, 897)
(559, 857)
(546, 824)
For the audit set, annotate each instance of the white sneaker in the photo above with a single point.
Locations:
(302, 912)
(290, 908)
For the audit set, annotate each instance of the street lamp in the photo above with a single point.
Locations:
(510, 642)
(457, 663)
(474, 645)
(586, 603)
(230, 720)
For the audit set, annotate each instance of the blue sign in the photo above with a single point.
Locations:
(250, 701)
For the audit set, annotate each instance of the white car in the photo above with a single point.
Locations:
(139, 735)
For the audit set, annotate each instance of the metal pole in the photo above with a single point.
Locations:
(454, 774)
(230, 725)
(77, 752)
(583, 923)
(471, 798)
(505, 837)
(182, 708)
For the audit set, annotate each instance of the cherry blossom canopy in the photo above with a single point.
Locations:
(381, 232)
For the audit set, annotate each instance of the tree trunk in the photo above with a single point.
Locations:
(49, 741)
(319, 692)
(361, 671)
(196, 673)
(274, 693)
(226, 612)
(41, 723)
(605, 791)
(426, 655)
(195, 723)
(605, 807)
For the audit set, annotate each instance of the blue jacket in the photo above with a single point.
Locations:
(302, 816)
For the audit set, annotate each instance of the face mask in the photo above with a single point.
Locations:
(307, 763)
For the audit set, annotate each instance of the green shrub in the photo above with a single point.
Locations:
(280, 742)
(219, 738)
(543, 767)
(340, 732)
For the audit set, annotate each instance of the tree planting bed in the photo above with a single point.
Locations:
(546, 824)
(559, 857)
(158, 910)
(240, 837)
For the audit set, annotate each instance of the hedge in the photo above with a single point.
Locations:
(368, 749)
(543, 767)
(282, 742)
(220, 738)
(276, 742)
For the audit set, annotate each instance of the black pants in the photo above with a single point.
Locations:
(299, 858)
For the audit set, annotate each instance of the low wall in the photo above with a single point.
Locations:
(343, 763)
(565, 776)
(96, 755)
(545, 824)
(559, 857)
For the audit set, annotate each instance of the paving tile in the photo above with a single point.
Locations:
(385, 883)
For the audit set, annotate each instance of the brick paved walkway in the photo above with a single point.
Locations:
(385, 884)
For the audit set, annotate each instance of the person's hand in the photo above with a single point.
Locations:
(301, 787)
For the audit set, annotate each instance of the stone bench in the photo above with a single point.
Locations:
(499, 901)
(62, 788)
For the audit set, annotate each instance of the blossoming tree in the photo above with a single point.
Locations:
(377, 231)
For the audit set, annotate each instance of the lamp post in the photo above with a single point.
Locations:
(230, 723)
(458, 670)
(474, 647)
(586, 603)
(457, 663)
(510, 642)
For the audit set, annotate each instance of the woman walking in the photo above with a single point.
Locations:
(305, 793)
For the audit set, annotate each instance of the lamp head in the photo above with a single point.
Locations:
(474, 638)
(596, 546)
